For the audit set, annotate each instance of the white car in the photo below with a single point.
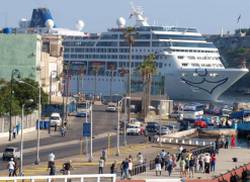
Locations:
(55, 119)
(111, 108)
(134, 129)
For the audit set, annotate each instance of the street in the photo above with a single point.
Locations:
(103, 123)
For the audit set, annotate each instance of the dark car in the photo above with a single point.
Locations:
(152, 128)
(10, 152)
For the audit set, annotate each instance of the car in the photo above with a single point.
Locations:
(82, 114)
(200, 124)
(55, 119)
(134, 129)
(10, 152)
(164, 130)
(111, 108)
(176, 114)
(152, 127)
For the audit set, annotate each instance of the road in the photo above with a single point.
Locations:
(103, 122)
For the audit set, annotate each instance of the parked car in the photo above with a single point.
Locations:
(200, 124)
(152, 127)
(134, 129)
(82, 114)
(55, 119)
(176, 114)
(164, 130)
(111, 108)
(10, 152)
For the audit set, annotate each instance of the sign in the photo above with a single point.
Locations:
(86, 129)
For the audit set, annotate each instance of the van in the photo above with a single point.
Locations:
(55, 119)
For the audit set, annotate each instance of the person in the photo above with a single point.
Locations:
(125, 173)
(207, 163)
(158, 165)
(16, 167)
(226, 143)
(14, 132)
(169, 166)
(104, 154)
(140, 158)
(163, 156)
(200, 161)
(11, 167)
(101, 165)
(182, 167)
(67, 166)
(233, 141)
(191, 166)
(113, 168)
(63, 131)
(52, 168)
(130, 167)
(213, 160)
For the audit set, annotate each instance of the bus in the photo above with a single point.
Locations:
(193, 111)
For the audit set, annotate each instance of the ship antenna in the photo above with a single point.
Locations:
(137, 11)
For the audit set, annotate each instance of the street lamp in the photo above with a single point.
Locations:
(21, 140)
(118, 127)
(37, 161)
(14, 74)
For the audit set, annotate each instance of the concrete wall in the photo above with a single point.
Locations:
(19, 51)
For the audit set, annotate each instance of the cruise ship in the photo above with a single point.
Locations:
(188, 66)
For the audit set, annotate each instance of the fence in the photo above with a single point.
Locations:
(64, 178)
(28, 122)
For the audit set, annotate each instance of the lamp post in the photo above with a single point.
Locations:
(118, 126)
(91, 133)
(21, 141)
(37, 161)
(14, 73)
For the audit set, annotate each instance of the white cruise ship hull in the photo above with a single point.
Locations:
(183, 84)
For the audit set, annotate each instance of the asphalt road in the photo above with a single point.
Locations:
(103, 122)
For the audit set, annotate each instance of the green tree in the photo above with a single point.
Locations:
(21, 94)
(147, 69)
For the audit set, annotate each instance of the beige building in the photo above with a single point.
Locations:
(52, 65)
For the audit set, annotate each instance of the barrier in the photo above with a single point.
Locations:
(139, 168)
(64, 178)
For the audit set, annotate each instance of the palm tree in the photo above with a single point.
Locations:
(96, 68)
(147, 69)
(129, 33)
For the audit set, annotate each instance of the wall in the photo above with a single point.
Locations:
(19, 51)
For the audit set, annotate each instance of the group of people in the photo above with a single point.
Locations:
(165, 160)
(187, 162)
(190, 163)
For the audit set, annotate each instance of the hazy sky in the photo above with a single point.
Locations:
(209, 16)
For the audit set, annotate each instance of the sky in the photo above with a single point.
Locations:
(209, 16)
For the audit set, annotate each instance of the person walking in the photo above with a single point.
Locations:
(52, 168)
(191, 166)
(158, 165)
(125, 173)
(101, 165)
(113, 168)
(233, 141)
(130, 167)
(207, 163)
(11, 167)
(14, 132)
(213, 160)
(140, 158)
(169, 166)
(104, 154)
(16, 167)
(182, 167)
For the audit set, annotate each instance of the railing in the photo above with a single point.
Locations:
(188, 141)
(64, 178)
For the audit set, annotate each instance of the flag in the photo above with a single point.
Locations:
(238, 19)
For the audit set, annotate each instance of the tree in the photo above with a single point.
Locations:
(147, 69)
(21, 94)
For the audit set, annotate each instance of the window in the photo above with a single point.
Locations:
(178, 37)
(189, 44)
(184, 64)
(180, 57)
(110, 44)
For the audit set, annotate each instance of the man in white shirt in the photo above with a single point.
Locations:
(11, 167)
(207, 163)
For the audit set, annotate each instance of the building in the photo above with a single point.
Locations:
(36, 57)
